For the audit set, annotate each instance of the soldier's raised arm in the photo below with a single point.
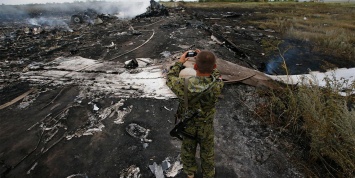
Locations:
(174, 82)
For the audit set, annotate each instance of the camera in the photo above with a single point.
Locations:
(191, 54)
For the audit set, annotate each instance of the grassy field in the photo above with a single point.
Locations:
(329, 26)
(320, 115)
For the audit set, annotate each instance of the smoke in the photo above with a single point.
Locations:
(128, 8)
(291, 57)
(51, 23)
(10, 13)
(273, 65)
(299, 59)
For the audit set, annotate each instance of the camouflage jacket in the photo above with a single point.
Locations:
(210, 87)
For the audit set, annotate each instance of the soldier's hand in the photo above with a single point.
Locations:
(197, 51)
(183, 57)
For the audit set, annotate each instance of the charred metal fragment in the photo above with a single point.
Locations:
(138, 131)
(86, 16)
(154, 10)
(131, 64)
(231, 15)
(230, 45)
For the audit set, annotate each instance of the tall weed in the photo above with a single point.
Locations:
(330, 124)
(326, 118)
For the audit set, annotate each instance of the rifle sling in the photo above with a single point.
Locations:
(182, 131)
(199, 95)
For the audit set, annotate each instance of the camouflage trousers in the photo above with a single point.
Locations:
(205, 138)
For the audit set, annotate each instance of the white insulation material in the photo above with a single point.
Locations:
(343, 75)
(106, 77)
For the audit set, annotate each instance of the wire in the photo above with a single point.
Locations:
(136, 47)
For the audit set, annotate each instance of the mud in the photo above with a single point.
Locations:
(71, 129)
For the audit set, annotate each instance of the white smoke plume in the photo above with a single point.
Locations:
(129, 8)
(47, 22)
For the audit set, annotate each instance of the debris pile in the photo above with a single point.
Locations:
(101, 77)
(42, 24)
(86, 16)
(90, 16)
(44, 38)
(98, 69)
(131, 172)
(155, 9)
(139, 132)
(166, 168)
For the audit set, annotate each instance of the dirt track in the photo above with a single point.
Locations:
(31, 138)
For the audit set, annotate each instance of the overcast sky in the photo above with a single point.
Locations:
(31, 1)
(61, 1)
(13, 2)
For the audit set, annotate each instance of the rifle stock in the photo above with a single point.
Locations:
(179, 130)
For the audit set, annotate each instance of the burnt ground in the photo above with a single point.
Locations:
(42, 136)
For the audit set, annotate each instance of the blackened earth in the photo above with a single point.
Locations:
(245, 147)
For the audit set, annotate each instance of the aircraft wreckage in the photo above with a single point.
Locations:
(69, 64)
(147, 80)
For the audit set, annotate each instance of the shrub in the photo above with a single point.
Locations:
(326, 118)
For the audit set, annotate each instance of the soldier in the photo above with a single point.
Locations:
(202, 94)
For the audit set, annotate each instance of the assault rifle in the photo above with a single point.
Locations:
(179, 130)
